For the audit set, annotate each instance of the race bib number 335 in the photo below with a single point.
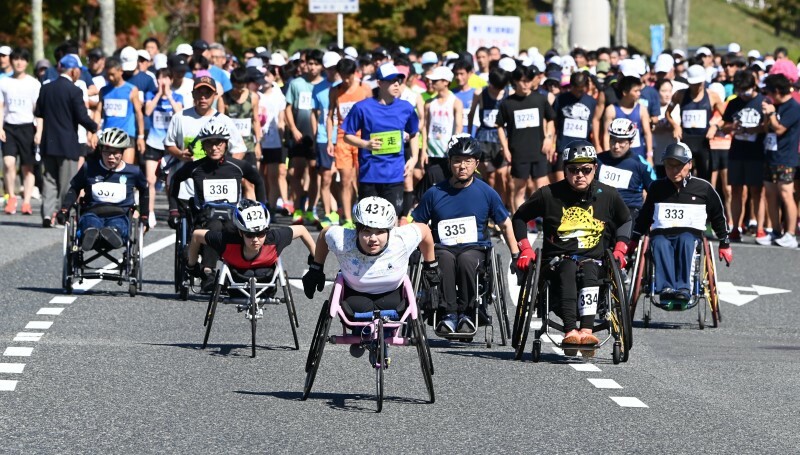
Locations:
(458, 230)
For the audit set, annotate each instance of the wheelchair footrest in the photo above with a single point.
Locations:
(457, 335)
(584, 347)
(676, 305)
(368, 315)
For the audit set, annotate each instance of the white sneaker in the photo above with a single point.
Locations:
(765, 240)
(151, 220)
(787, 241)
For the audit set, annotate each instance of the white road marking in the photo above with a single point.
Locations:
(558, 351)
(729, 292)
(629, 402)
(28, 336)
(604, 383)
(40, 325)
(62, 300)
(158, 245)
(50, 311)
(7, 385)
(585, 367)
(18, 352)
(11, 368)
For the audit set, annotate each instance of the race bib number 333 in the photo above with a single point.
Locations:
(668, 215)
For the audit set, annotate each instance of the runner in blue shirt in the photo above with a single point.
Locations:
(120, 107)
(382, 122)
(321, 98)
(462, 70)
(458, 210)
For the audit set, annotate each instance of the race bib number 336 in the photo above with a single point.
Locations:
(220, 190)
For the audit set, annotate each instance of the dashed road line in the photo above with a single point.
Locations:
(629, 402)
(28, 336)
(50, 311)
(39, 325)
(62, 300)
(601, 383)
(585, 367)
(8, 385)
(12, 368)
(18, 352)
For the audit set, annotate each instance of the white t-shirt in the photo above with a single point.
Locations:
(185, 126)
(271, 106)
(186, 91)
(19, 99)
(373, 274)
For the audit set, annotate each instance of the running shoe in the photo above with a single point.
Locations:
(787, 241)
(348, 224)
(448, 324)
(465, 325)
(112, 237)
(26, 209)
(297, 217)
(764, 238)
(286, 209)
(151, 220)
(331, 219)
(89, 239)
(735, 236)
(310, 218)
(572, 337)
(683, 294)
(11, 205)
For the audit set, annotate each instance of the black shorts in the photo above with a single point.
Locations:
(324, 161)
(719, 160)
(745, 172)
(392, 192)
(558, 166)
(153, 154)
(273, 156)
(362, 302)
(19, 143)
(778, 173)
(303, 149)
(528, 169)
(493, 157)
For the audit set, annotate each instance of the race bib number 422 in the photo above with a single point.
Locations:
(526, 118)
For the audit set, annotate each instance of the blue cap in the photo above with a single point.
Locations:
(69, 61)
(388, 72)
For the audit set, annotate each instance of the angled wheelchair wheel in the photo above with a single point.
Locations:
(638, 273)
(290, 308)
(380, 365)
(317, 347)
(712, 293)
(619, 309)
(67, 269)
(176, 262)
(527, 301)
(424, 353)
(499, 290)
(212, 309)
(253, 313)
(139, 257)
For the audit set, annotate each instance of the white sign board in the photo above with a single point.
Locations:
(333, 6)
(488, 31)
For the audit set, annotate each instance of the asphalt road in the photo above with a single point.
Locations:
(107, 373)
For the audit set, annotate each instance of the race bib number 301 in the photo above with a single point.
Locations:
(618, 178)
(112, 193)
(220, 190)
(668, 215)
(526, 118)
(458, 230)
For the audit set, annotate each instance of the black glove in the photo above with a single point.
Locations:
(430, 273)
(513, 265)
(314, 278)
(143, 221)
(61, 216)
(195, 271)
(174, 219)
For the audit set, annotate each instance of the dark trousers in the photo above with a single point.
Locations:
(459, 269)
(58, 171)
(672, 257)
(566, 280)
(360, 302)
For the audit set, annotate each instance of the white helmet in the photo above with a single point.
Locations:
(251, 216)
(375, 212)
(213, 130)
(114, 138)
(622, 128)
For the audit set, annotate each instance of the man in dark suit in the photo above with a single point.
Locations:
(62, 108)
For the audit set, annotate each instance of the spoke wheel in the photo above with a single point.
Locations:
(253, 310)
(211, 310)
(380, 364)
(528, 301)
(424, 353)
(317, 347)
(620, 314)
(289, 301)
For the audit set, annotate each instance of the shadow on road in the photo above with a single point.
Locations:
(224, 350)
(338, 401)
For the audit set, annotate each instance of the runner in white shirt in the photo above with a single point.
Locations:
(271, 107)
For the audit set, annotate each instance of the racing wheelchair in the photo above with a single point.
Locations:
(379, 329)
(612, 311)
(250, 291)
(703, 284)
(492, 286)
(79, 265)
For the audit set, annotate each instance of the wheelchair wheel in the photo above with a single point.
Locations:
(638, 273)
(212, 309)
(527, 303)
(317, 347)
(67, 270)
(616, 355)
(253, 312)
(712, 294)
(537, 350)
(424, 353)
(380, 364)
(289, 301)
(178, 276)
(500, 304)
(139, 257)
(618, 306)
(132, 289)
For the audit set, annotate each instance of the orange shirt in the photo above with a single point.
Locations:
(345, 100)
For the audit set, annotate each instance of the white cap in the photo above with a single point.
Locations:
(184, 49)
(160, 61)
(537, 60)
(533, 51)
(130, 58)
(664, 63)
(330, 59)
(769, 61)
(441, 73)
(429, 57)
(631, 67)
(555, 60)
(5, 50)
(754, 54)
(696, 74)
(295, 56)
(351, 53)
(527, 61)
(254, 62)
(717, 88)
(702, 50)
(260, 50)
(679, 52)
(507, 64)
(277, 59)
(568, 64)
(760, 64)
(145, 55)
(734, 47)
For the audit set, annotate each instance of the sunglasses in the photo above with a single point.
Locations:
(252, 235)
(585, 170)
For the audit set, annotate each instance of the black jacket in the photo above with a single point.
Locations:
(61, 106)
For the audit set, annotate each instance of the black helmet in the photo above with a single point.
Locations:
(464, 145)
(678, 151)
(579, 152)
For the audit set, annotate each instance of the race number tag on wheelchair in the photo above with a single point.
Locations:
(458, 230)
(526, 118)
(253, 217)
(109, 192)
(576, 128)
(668, 215)
(587, 301)
(618, 178)
(220, 190)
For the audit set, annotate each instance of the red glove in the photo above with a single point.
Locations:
(726, 254)
(620, 250)
(633, 245)
(526, 255)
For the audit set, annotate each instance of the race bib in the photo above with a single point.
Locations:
(112, 193)
(576, 128)
(771, 142)
(344, 109)
(253, 217)
(18, 105)
(220, 190)
(694, 119)
(637, 140)
(115, 107)
(391, 142)
(458, 230)
(526, 118)
(616, 177)
(161, 120)
(304, 101)
(244, 126)
(490, 118)
(99, 81)
(668, 215)
(587, 301)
